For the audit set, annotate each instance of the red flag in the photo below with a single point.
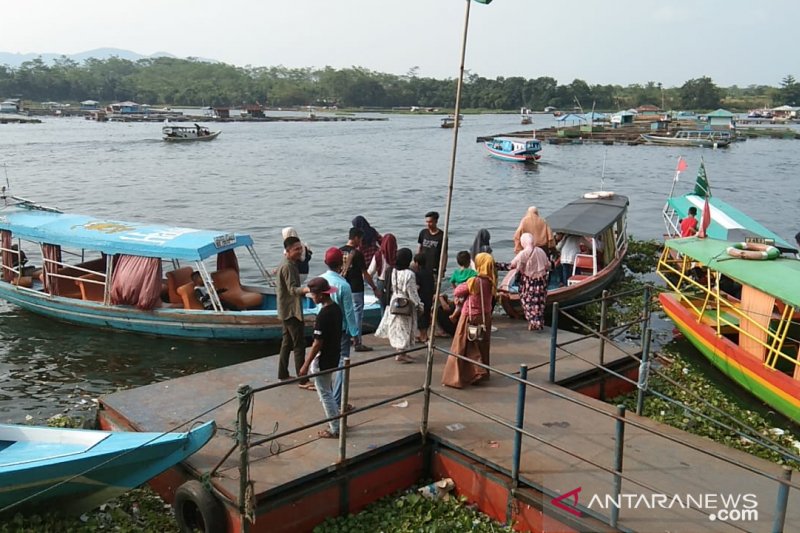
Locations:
(706, 220)
(682, 165)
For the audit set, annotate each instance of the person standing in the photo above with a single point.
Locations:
(472, 338)
(343, 297)
(689, 224)
(426, 286)
(354, 270)
(324, 353)
(538, 227)
(382, 264)
(401, 328)
(481, 243)
(430, 243)
(532, 264)
(370, 241)
(305, 257)
(290, 310)
(568, 247)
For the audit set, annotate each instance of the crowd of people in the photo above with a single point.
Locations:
(404, 282)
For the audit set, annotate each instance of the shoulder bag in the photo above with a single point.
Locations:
(399, 305)
(478, 331)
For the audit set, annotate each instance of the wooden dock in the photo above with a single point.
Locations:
(576, 442)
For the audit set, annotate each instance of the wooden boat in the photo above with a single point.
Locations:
(600, 217)
(519, 149)
(450, 121)
(73, 470)
(85, 290)
(700, 138)
(172, 133)
(741, 314)
(727, 222)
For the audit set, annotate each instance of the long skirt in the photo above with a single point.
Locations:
(459, 373)
(533, 297)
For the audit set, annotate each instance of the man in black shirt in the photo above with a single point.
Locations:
(325, 350)
(354, 270)
(430, 243)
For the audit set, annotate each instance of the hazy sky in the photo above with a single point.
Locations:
(738, 42)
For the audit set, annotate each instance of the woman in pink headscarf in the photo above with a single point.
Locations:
(538, 228)
(532, 264)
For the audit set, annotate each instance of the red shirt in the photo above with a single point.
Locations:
(688, 226)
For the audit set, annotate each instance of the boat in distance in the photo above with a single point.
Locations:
(450, 121)
(173, 133)
(516, 149)
(600, 218)
(138, 277)
(698, 138)
(72, 471)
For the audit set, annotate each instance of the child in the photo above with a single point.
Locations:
(461, 274)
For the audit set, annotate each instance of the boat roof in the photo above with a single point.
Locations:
(588, 216)
(112, 236)
(727, 222)
(777, 277)
(522, 140)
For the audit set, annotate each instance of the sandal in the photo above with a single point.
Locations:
(326, 434)
(307, 386)
(403, 359)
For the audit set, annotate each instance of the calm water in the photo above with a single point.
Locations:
(258, 178)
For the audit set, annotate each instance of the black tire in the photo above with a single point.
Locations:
(197, 509)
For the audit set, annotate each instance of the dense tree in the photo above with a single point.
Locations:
(790, 91)
(701, 93)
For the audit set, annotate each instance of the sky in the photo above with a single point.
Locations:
(734, 42)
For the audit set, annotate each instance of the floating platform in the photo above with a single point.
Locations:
(298, 480)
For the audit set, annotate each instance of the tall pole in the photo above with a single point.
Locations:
(443, 255)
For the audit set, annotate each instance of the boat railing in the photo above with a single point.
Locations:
(245, 441)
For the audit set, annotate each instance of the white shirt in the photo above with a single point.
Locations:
(569, 246)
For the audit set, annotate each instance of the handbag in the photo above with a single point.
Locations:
(399, 305)
(477, 332)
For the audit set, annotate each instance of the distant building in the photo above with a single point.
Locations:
(126, 108)
(89, 105)
(721, 119)
(648, 110)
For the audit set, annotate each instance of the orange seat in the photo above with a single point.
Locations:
(94, 292)
(234, 296)
(582, 268)
(177, 278)
(188, 296)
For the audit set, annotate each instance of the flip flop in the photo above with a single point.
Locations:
(308, 386)
(326, 434)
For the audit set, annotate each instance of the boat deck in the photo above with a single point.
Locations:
(658, 463)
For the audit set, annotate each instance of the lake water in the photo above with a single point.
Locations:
(316, 176)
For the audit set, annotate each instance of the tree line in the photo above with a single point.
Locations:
(190, 82)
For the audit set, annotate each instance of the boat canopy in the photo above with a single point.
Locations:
(777, 277)
(727, 222)
(588, 216)
(116, 237)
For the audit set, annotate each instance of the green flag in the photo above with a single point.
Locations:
(701, 187)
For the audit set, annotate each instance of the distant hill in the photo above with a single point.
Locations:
(15, 60)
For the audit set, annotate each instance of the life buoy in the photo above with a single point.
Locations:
(598, 194)
(753, 250)
(197, 509)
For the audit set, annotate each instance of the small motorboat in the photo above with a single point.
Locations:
(519, 149)
(173, 133)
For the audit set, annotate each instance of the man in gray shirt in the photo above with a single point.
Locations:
(290, 310)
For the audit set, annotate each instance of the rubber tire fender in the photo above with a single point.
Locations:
(197, 509)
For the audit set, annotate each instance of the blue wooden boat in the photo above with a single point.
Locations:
(81, 254)
(519, 149)
(74, 470)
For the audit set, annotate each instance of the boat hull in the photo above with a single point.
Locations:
(672, 141)
(773, 387)
(210, 137)
(519, 157)
(78, 482)
(254, 325)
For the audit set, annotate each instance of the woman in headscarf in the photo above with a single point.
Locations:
(302, 266)
(476, 313)
(537, 226)
(370, 242)
(481, 243)
(532, 264)
(401, 329)
(382, 264)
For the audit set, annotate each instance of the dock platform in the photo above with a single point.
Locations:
(297, 482)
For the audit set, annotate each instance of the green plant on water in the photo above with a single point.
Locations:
(410, 512)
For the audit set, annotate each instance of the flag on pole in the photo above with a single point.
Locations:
(682, 165)
(706, 221)
(701, 187)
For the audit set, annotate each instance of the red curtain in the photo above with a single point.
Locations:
(8, 258)
(51, 252)
(227, 259)
(136, 281)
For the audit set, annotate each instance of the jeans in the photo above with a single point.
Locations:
(358, 307)
(566, 272)
(325, 393)
(293, 339)
(338, 377)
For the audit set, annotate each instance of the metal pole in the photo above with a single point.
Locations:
(343, 411)
(443, 255)
(645, 312)
(603, 312)
(553, 342)
(780, 504)
(644, 372)
(619, 445)
(244, 393)
(521, 390)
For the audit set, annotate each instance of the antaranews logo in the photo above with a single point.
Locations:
(726, 507)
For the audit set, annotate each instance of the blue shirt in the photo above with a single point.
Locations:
(344, 299)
